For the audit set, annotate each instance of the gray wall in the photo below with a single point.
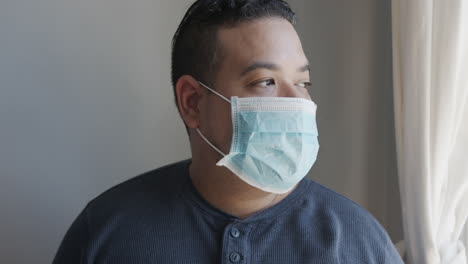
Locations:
(86, 102)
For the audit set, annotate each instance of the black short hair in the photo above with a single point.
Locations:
(195, 49)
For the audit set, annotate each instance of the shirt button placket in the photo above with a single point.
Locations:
(235, 244)
(235, 257)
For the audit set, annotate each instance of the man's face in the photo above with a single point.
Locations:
(262, 58)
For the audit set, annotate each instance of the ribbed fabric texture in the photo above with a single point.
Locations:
(159, 217)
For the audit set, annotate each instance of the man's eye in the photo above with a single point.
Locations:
(266, 83)
(305, 84)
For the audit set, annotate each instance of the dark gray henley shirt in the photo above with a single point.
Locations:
(159, 217)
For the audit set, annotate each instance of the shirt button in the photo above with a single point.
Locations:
(235, 232)
(235, 257)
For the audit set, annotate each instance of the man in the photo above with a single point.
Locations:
(240, 79)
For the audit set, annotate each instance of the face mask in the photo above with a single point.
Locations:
(274, 142)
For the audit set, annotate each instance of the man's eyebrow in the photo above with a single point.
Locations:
(270, 66)
(260, 65)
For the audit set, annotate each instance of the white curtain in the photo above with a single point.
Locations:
(430, 56)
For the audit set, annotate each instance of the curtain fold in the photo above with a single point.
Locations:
(430, 63)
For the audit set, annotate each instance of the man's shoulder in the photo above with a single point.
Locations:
(323, 196)
(329, 216)
(148, 189)
(346, 214)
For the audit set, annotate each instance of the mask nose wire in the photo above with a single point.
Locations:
(198, 130)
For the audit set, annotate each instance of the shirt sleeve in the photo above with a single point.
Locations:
(74, 245)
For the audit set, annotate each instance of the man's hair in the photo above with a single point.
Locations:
(195, 49)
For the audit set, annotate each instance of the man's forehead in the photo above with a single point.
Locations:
(269, 42)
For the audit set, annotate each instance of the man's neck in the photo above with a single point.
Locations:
(227, 192)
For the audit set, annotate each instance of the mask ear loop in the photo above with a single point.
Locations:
(215, 92)
(198, 130)
(209, 143)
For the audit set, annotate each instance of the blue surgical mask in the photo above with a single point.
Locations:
(274, 142)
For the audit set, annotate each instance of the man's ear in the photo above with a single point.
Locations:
(189, 92)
